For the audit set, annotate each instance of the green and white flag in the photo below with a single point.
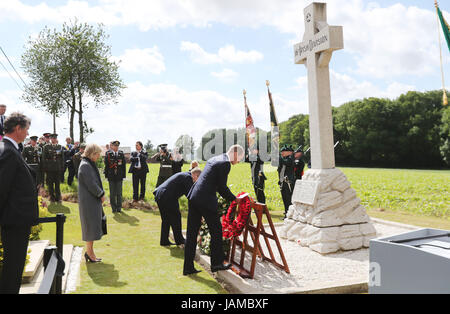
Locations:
(445, 27)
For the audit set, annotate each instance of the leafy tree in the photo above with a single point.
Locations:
(69, 69)
(445, 136)
(149, 147)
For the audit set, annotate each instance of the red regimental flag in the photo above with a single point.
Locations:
(249, 127)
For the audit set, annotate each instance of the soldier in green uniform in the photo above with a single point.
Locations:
(53, 164)
(76, 159)
(258, 177)
(164, 157)
(286, 176)
(32, 156)
(115, 172)
(44, 140)
(299, 164)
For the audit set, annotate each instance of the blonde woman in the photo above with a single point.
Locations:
(90, 198)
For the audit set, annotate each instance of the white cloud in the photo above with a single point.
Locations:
(142, 60)
(198, 54)
(225, 75)
(227, 54)
(385, 41)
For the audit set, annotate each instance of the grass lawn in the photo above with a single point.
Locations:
(135, 263)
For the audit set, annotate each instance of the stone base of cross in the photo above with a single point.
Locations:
(326, 214)
(329, 216)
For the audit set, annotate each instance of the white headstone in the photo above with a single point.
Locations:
(326, 214)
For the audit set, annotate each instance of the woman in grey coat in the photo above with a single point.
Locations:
(90, 198)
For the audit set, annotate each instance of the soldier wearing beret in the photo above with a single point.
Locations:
(53, 165)
(164, 157)
(299, 164)
(258, 177)
(32, 155)
(286, 176)
(115, 172)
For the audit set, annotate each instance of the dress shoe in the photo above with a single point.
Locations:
(220, 267)
(181, 242)
(168, 243)
(190, 272)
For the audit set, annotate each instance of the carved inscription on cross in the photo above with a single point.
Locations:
(319, 42)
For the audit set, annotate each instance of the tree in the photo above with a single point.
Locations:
(292, 131)
(445, 136)
(68, 67)
(149, 147)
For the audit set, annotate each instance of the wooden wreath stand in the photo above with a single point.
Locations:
(256, 250)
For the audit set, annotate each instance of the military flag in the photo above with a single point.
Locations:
(444, 24)
(275, 132)
(446, 31)
(249, 126)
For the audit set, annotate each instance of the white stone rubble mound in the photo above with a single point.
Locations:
(337, 220)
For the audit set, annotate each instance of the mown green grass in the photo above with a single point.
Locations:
(135, 263)
(133, 260)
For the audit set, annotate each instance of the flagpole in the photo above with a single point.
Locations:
(444, 95)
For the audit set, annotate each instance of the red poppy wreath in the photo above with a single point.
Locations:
(232, 228)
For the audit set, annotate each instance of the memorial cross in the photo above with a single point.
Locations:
(319, 42)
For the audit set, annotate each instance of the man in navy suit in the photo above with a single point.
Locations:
(203, 203)
(139, 169)
(19, 209)
(166, 196)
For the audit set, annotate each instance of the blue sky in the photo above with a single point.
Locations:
(185, 63)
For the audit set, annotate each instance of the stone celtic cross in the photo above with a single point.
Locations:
(319, 42)
(326, 215)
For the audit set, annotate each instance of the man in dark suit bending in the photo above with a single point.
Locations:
(203, 203)
(18, 202)
(166, 196)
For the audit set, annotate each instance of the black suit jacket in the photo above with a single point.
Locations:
(18, 194)
(2, 131)
(134, 161)
(173, 188)
(212, 179)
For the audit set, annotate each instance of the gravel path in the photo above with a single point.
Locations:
(309, 268)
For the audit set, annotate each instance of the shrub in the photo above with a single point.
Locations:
(204, 242)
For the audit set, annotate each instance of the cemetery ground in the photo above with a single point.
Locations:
(133, 261)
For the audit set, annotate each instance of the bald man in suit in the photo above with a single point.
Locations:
(203, 203)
